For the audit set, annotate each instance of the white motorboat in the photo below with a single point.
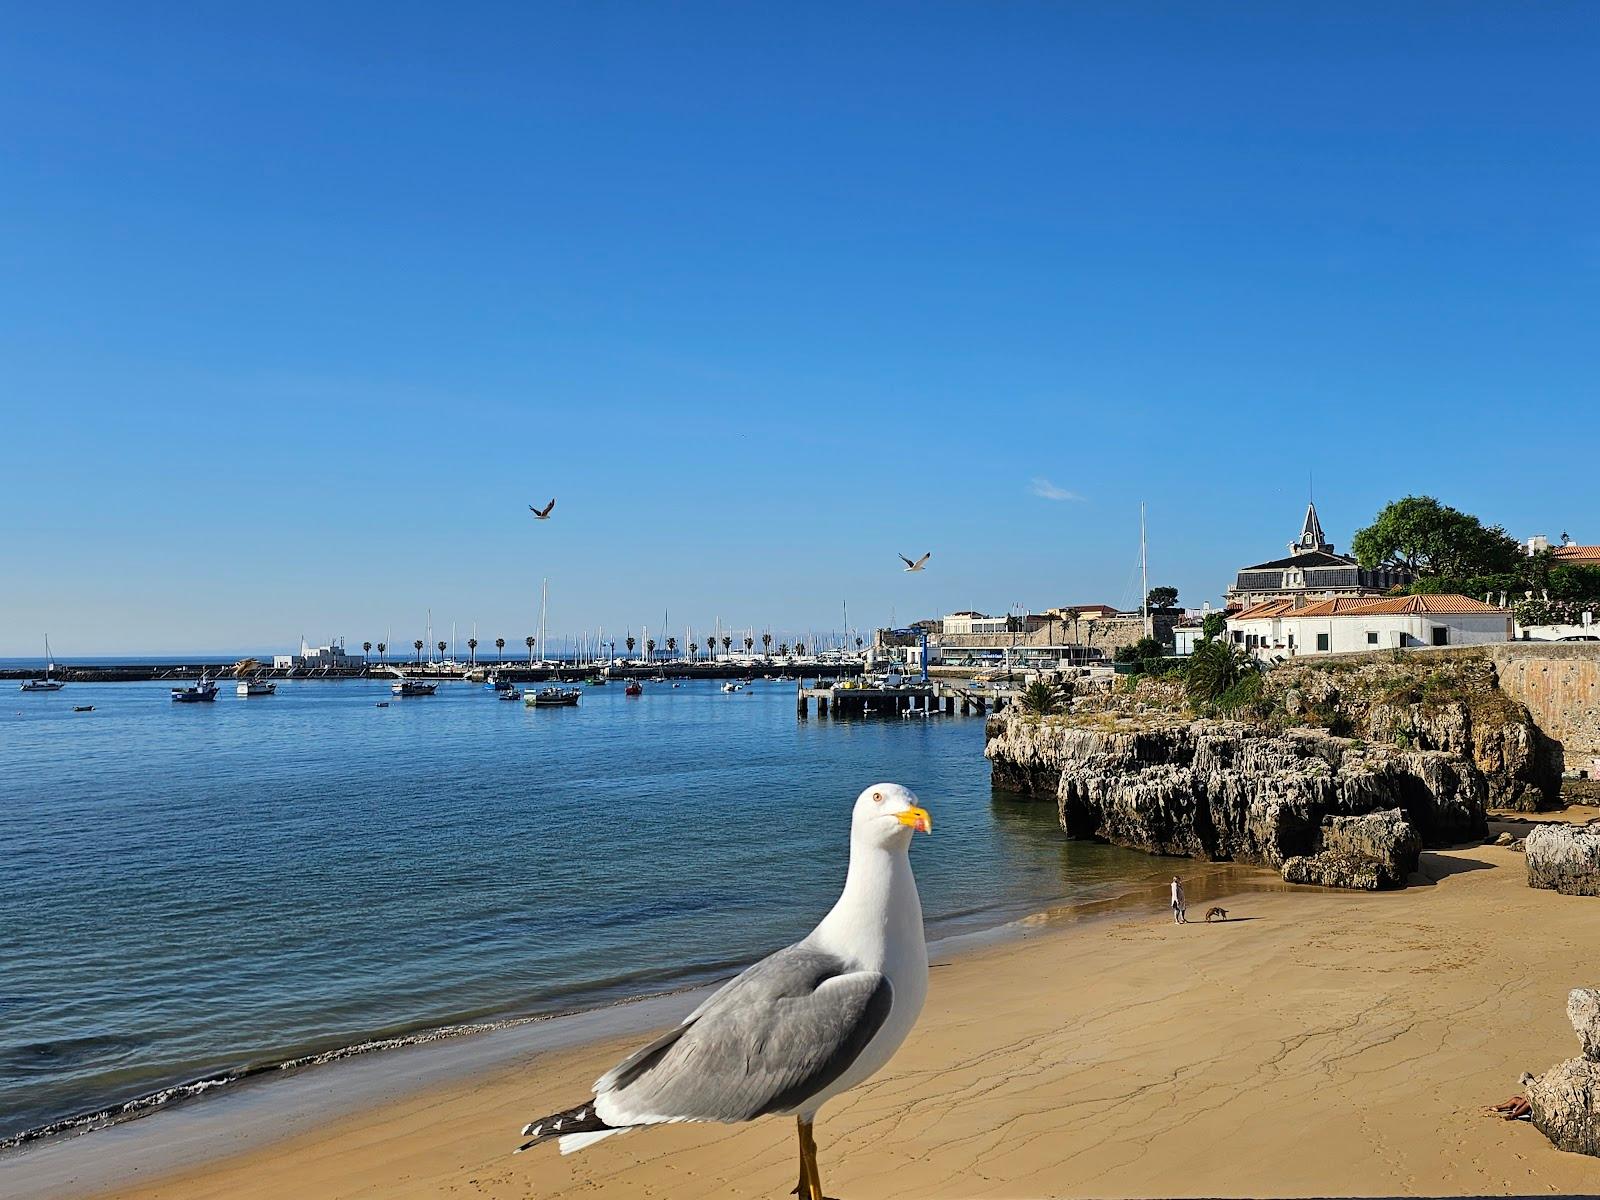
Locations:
(255, 687)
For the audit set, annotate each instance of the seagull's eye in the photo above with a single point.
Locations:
(877, 797)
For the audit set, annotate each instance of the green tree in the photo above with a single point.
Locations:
(1162, 597)
(650, 647)
(500, 648)
(441, 649)
(630, 643)
(366, 649)
(528, 642)
(1435, 540)
(383, 651)
(694, 649)
(472, 650)
(1213, 626)
(672, 645)
(766, 644)
(727, 643)
(418, 645)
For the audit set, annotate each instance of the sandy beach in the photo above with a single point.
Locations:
(1317, 1044)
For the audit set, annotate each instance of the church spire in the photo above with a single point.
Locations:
(1311, 538)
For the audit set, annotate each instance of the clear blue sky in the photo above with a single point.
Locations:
(303, 306)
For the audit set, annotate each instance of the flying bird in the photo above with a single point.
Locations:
(543, 513)
(919, 564)
(800, 1026)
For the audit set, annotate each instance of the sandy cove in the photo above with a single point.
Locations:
(1326, 1043)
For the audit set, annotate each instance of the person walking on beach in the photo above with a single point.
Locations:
(1179, 917)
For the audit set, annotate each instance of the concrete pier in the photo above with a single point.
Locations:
(919, 699)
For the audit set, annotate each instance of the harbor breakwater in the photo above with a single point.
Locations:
(514, 671)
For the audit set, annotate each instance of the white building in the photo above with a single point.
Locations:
(963, 624)
(1284, 628)
(316, 657)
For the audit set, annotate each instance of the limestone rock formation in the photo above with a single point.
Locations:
(1565, 1100)
(1374, 851)
(1565, 1103)
(1235, 790)
(1564, 858)
(1583, 1008)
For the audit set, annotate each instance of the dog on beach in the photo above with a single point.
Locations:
(1216, 914)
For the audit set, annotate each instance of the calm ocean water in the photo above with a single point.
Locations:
(197, 890)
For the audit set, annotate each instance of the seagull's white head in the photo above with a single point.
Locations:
(887, 814)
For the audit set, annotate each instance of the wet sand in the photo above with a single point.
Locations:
(1320, 1043)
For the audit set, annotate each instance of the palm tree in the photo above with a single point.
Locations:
(799, 647)
(650, 648)
(383, 652)
(500, 648)
(418, 645)
(1041, 698)
(528, 642)
(711, 648)
(766, 644)
(749, 644)
(783, 650)
(441, 651)
(366, 649)
(694, 648)
(727, 643)
(858, 645)
(630, 644)
(672, 645)
(472, 650)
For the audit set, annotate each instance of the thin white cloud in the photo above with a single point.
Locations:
(1045, 490)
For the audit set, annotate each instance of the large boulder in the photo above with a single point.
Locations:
(1565, 1104)
(1583, 1007)
(1564, 858)
(1369, 852)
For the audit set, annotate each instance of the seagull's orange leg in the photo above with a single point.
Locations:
(810, 1177)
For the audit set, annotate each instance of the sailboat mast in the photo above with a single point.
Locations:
(1144, 573)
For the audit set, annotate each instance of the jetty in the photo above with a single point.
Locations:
(906, 699)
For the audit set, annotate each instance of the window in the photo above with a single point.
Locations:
(1372, 637)
(1441, 635)
(1322, 641)
(1238, 636)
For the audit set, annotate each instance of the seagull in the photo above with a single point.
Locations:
(800, 1026)
(543, 513)
(919, 564)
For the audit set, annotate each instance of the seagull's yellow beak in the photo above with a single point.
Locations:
(917, 818)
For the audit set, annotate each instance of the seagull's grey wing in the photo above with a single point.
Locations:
(907, 561)
(924, 558)
(779, 1033)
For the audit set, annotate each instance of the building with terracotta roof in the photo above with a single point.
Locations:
(1289, 627)
(1312, 571)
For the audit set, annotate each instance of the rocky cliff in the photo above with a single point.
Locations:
(1235, 790)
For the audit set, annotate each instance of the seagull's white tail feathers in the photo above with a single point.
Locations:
(574, 1142)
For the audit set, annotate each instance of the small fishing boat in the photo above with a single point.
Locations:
(202, 692)
(733, 685)
(46, 684)
(83, 708)
(255, 687)
(511, 694)
(413, 687)
(633, 688)
(551, 697)
(381, 704)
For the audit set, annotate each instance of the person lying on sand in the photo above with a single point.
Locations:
(1516, 1108)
